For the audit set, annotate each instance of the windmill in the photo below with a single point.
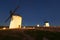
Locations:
(16, 20)
(46, 24)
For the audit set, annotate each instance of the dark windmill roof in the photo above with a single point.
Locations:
(17, 14)
(46, 22)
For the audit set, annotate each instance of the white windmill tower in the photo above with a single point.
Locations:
(16, 20)
(46, 24)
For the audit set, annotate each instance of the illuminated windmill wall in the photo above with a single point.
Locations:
(16, 21)
(46, 24)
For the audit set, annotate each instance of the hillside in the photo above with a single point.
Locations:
(28, 34)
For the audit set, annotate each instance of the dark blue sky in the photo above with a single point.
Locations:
(33, 11)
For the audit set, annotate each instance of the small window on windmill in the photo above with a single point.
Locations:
(19, 26)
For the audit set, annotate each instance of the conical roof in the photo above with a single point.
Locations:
(17, 14)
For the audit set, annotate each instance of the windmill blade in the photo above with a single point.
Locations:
(11, 13)
(16, 9)
(7, 18)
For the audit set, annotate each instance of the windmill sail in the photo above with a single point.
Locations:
(7, 18)
(11, 13)
(15, 9)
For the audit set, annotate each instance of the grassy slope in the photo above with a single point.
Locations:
(28, 35)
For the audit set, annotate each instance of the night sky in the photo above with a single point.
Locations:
(33, 11)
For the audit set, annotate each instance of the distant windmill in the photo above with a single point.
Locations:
(46, 24)
(16, 20)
